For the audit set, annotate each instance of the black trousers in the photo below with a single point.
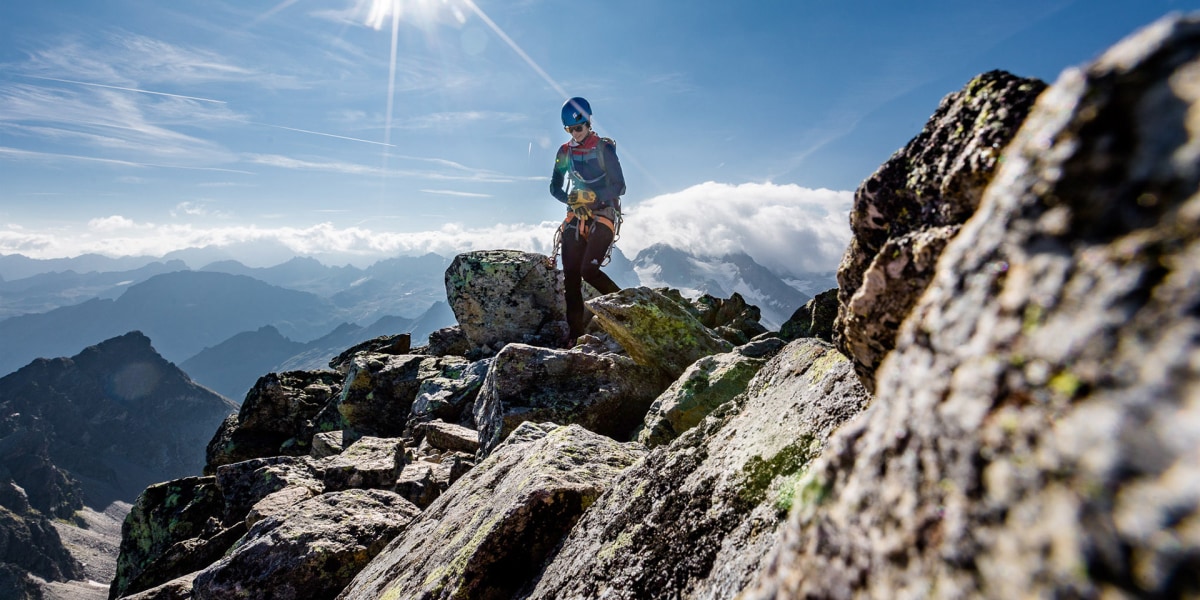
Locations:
(581, 256)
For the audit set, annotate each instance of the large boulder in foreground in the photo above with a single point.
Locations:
(605, 393)
(312, 552)
(503, 296)
(906, 212)
(1037, 432)
(695, 519)
(656, 331)
(487, 536)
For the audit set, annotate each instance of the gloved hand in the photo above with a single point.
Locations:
(580, 202)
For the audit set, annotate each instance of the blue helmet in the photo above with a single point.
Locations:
(576, 111)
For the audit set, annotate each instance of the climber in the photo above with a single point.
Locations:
(593, 197)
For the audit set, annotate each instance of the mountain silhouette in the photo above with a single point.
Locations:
(118, 416)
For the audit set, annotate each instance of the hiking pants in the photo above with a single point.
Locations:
(581, 258)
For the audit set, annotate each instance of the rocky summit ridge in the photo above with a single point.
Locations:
(1000, 400)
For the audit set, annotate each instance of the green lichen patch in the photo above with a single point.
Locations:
(824, 364)
(809, 491)
(758, 474)
(624, 539)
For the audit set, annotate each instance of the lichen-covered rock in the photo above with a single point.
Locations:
(367, 463)
(814, 319)
(398, 344)
(497, 524)
(696, 518)
(448, 390)
(244, 484)
(174, 528)
(448, 436)
(277, 503)
(1037, 432)
(605, 393)
(707, 384)
(733, 317)
(448, 341)
(655, 330)
(327, 444)
(418, 483)
(279, 417)
(765, 347)
(378, 394)
(311, 553)
(905, 212)
(505, 296)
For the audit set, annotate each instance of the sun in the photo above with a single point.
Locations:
(425, 13)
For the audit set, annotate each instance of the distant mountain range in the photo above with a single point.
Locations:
(183, 312)
(43, 292)
(227, 323)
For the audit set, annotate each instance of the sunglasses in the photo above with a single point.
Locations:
(575, 128)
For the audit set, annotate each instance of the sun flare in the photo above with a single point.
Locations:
(423, 13)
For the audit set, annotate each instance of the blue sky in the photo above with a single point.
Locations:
(354, 130)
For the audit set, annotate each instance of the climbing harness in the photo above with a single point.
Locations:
(577, 219)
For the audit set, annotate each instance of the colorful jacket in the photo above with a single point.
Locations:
(582, 164)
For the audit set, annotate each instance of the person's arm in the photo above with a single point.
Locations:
(556, 178)
(614, 177)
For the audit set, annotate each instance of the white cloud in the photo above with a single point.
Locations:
(113, 223)
(197, 209)
(787, 228)
(118, 236)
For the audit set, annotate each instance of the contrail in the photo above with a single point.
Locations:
(27, 154)
(270, 13)
(340, 137)
(126, 89)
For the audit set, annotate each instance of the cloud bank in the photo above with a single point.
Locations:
(787, 228)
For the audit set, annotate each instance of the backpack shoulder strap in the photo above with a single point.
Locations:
(610, 142)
